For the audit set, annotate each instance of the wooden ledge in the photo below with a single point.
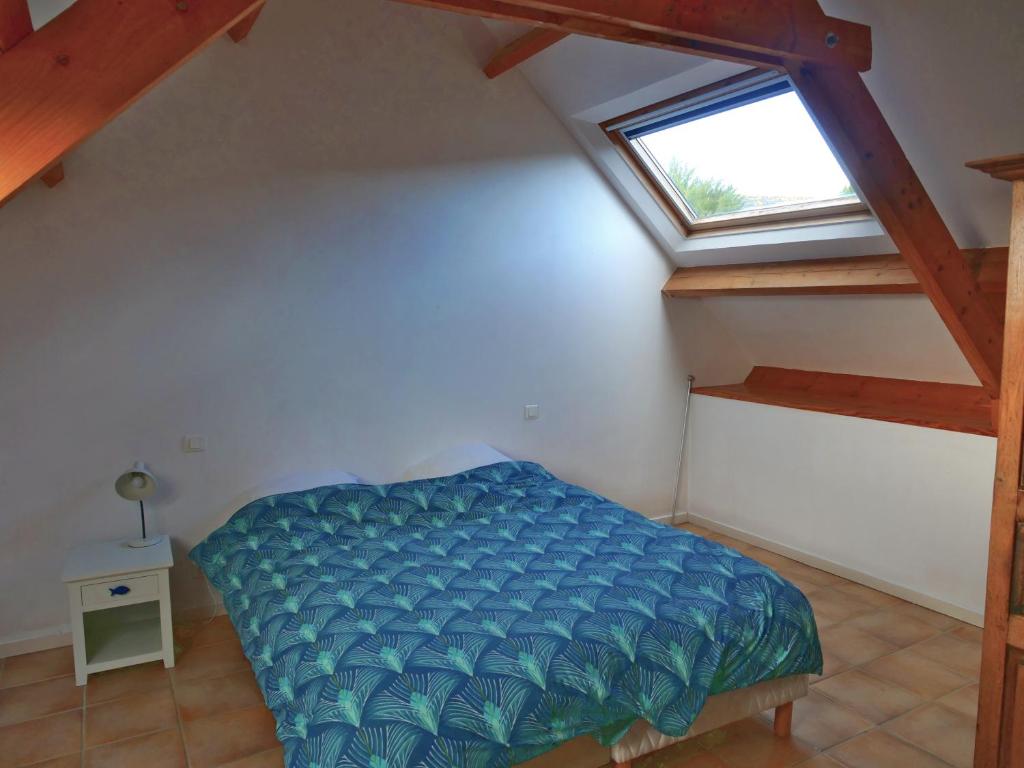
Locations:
(954, 407)
(1006, 168)
(857, 275)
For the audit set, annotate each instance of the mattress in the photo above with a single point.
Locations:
(484, 618)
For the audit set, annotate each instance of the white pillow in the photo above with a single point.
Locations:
(300, 481)
(452, 461)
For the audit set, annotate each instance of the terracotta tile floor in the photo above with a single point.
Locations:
(899, 689)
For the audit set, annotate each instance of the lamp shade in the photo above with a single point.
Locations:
(136, 484)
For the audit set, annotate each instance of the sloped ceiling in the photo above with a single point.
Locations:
(947, 76)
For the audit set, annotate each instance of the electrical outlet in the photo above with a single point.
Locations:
(193, 444)
(531, 412)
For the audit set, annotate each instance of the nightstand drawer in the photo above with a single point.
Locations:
(120, 591)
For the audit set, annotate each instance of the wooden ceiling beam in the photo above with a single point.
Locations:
(521, 49)
(15, 23)
(241, 30)
(68, 79)
(954, 407)
(852, 122)
(759, 33)
(53, 176)
(887, 274)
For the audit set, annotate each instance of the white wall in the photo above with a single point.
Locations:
(905, 505)
(336, 245)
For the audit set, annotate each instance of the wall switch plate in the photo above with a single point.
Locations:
(531, 412)
(193, 444)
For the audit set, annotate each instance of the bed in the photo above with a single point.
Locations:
(488, 617)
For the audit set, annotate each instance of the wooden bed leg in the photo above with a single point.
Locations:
(784, 720)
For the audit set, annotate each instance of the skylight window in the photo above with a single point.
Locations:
(742, 153)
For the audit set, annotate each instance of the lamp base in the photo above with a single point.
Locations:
(152, 541)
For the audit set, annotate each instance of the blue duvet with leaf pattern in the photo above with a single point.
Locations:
(484, 618)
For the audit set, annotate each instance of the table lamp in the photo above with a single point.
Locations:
(137, 484)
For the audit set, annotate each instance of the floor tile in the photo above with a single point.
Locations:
(833, 665)
(686, 754)
(814, 575)
(753, 744)
(49, 697)
(37, 740)
(854, 646)
(210, 661)
(129, 717)
(197, 634)
(212, 741)
(939, 620)
(800, 582)
(962, 656)
(867, 595)
(916, 673)
(969, 633)
(823, 723)
(877, 700)
(943, 732)
(33, 667)
(129, 681)
(832, 606)
(878, 749)
(207, 696)
(272, 758)
(155, 750)
(895, 627)
(68, 761)
(820, 761)
(964, 701)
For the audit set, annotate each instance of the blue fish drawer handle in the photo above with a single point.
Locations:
(119, 591)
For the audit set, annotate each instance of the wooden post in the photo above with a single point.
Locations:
(999, 682)
(784, 720)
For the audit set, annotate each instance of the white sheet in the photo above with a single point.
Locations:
(451, 461)
(301, 481)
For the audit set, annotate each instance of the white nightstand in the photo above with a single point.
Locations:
(120, 606)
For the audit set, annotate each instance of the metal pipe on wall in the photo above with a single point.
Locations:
(682, 445)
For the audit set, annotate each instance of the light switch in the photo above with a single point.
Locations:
(531, 412)
(193, 443)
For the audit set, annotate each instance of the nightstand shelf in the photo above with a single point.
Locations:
(118, 637)
(120, 606)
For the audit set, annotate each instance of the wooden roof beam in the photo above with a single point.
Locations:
(521, 49)
(68, 79)
(241, 30)
(887, 274)
(15, 23)
(954, 407)
(852, 122)
(762, 33)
